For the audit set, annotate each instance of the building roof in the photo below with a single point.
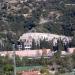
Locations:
(37, 36)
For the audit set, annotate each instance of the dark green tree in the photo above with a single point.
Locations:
(44, 44)
(60, 45)
(8, 69)
(18, 61)
(33, 44)
(73, 40)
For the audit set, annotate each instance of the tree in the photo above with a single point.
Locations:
(73, 58)
(38, 46)
(25, 61)
(73, 40)
(44, 44)
(8, 69)
(33, 44)
(56, 60)
(18, 61)
(45, 71)
(60, 45)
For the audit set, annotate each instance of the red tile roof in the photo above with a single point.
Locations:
(30, 72)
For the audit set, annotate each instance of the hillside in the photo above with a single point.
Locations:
(42, 15)
(49, 16)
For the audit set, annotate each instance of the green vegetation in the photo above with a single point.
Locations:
(60, 19)
(41, 44)
(13, 23)
(45, 71)
(58, 63)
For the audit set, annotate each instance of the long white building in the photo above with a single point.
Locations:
(28, 37)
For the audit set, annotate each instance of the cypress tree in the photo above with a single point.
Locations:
(33, 44)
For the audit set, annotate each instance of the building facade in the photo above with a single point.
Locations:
(27, 38)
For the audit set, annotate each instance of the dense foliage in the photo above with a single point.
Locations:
(57, 62)
(52, 16)
(17, 22)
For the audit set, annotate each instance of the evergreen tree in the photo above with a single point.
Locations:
(44, 44)
(60, 45)
(73, 40)
(38, 46)
(33, 44)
